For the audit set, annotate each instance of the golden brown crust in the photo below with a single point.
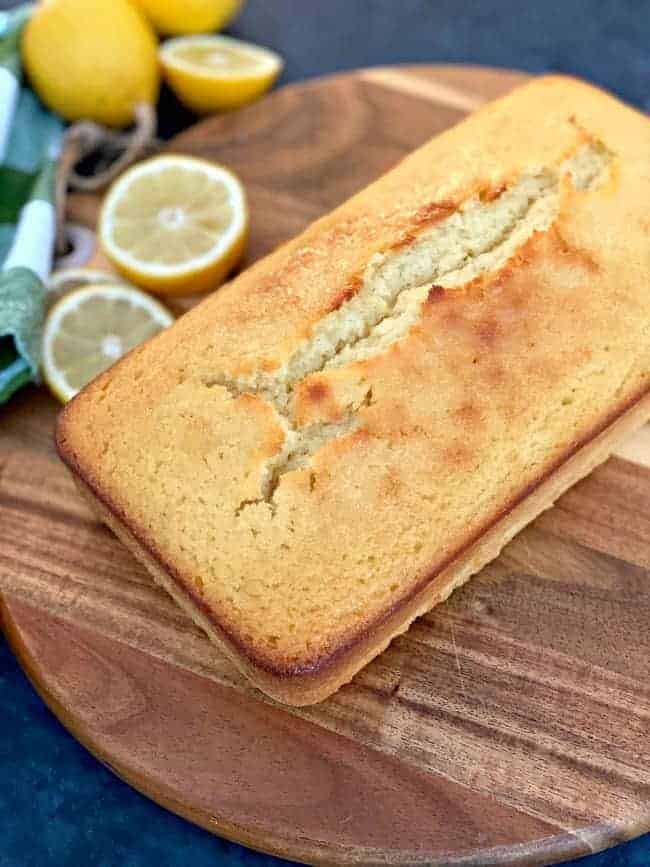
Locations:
(305, 507)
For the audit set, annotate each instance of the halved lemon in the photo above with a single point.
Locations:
(91, 328)
(189, 16)
(211, 73)
(175, 224)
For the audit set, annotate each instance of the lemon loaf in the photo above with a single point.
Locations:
(328, 446)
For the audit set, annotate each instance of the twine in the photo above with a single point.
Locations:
(115, 151)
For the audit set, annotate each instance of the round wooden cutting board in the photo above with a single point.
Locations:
(511, 726)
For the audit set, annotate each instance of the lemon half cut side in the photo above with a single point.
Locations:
(89, 329)
(212, 73)
(175, 224)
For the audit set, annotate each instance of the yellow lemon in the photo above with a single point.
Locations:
(91, 328)
(176, 17)
(91, 59)
(209, 73)
(175, 224)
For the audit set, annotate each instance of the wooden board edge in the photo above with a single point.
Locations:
(539, 853)
(580, 842)
(233, 833)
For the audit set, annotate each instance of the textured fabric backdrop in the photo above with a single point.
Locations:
(58, 806)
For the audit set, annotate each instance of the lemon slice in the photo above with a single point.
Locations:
(209, 73)
(89, 329)
(175, 224)
(61, 282)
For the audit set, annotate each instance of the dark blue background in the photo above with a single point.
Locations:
(58, 806)
(607, 41)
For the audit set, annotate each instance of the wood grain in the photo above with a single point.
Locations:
(510, 726)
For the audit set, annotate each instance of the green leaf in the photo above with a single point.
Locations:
(14, 374)
(22, 297)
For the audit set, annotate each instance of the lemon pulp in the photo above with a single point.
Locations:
(91, 328)
(209, 73)
(175, 224)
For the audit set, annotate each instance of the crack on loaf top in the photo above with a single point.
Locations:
(478, 238)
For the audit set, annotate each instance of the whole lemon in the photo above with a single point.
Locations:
(91, 59)
(178, 17)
